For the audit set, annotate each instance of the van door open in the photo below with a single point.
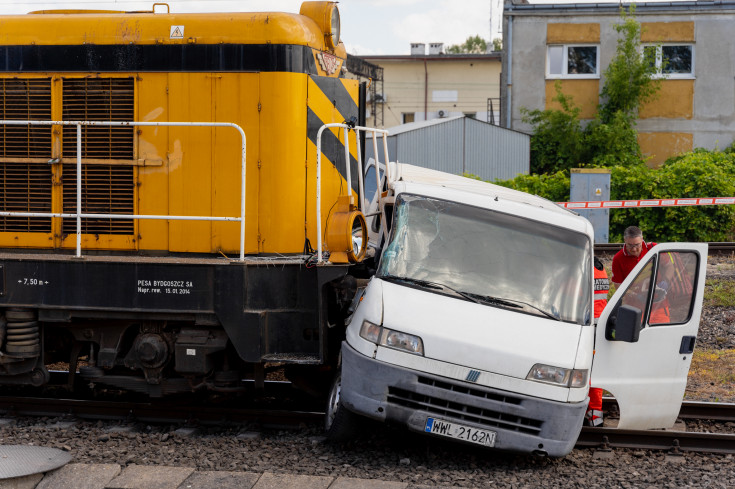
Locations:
(645, 336)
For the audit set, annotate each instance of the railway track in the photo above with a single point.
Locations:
(277, 405)
(671, 440)
(279, 416)
(156, 412)
(675, 442)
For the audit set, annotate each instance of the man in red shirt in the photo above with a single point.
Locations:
(626, 259)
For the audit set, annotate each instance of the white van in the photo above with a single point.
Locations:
(478, 323)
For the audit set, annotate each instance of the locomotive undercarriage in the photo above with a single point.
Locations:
(222, 329)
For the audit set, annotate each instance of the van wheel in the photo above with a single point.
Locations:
(339, 423)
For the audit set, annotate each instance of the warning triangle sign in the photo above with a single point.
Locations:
(177, 32)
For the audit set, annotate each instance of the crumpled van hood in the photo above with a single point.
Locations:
(479, 336)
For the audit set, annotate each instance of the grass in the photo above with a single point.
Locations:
(716, 369)
(719, 293)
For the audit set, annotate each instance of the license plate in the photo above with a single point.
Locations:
(457, 431)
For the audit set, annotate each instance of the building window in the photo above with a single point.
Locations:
(408, 117)
(672, 60)
(568, 61)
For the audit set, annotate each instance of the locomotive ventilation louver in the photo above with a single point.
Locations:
(25, 151)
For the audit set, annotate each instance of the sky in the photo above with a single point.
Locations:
(369, 27)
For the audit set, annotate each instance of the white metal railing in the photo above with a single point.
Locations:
(361, 189)
(79, 215)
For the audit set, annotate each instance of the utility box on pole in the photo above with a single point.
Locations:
(589, 185)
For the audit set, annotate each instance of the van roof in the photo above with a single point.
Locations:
(411, 173)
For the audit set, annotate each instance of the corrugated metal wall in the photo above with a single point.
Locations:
(438, 146)
(495, 153)
(461, 145)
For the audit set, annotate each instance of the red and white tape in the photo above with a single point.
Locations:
(620, 204)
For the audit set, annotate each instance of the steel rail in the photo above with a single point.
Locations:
(164, 412)
(604, 438)
(714, 411)
(718, 411)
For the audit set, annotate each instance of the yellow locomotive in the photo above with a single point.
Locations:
(158, 302)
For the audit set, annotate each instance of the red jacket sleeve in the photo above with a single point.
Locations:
(617, 272)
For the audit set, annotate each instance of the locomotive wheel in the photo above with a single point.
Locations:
(339, 422)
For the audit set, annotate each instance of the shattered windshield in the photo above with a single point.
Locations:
(489, 257)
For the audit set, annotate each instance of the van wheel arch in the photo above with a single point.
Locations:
(340, 424)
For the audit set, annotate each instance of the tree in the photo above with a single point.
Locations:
(473, 45)
(560, 141)
(556, 143)
(497, 44)
(629, 80)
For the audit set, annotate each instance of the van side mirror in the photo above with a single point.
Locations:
(626, 325)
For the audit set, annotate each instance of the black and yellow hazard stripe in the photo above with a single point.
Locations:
(334, 100)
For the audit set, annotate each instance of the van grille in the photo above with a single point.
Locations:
(436, 405)
(25, 187)
(106, 189)
(99, 99)
(25, 99)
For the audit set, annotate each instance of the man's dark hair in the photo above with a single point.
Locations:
(633, 232)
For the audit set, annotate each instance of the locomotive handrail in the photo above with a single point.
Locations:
(347, 127)
(79, 215)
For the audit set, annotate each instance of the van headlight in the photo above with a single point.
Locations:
(390, 338)
(564, 377)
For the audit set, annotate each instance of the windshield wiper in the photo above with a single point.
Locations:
(432, 285)
(416, 281)
(487, 299)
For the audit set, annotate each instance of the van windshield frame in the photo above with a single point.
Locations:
(494, 258)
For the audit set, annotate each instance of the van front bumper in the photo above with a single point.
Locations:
(394, 394)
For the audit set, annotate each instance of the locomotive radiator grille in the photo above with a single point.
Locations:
(22, 99)
(99, 99)
(28, 153)
(106, 189)
(25, 186)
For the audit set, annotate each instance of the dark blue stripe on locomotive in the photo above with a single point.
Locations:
(158, 58)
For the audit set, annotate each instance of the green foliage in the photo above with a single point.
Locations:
(554, 186)
(719, 293)
(613, 143)
(699, 173)
(557, 142)
(473, 45)
(696, 174)
(497, 44)
(629, 78)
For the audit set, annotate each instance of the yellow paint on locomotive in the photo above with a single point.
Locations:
(196, 170)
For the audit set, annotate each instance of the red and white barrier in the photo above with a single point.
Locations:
(625, 204)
